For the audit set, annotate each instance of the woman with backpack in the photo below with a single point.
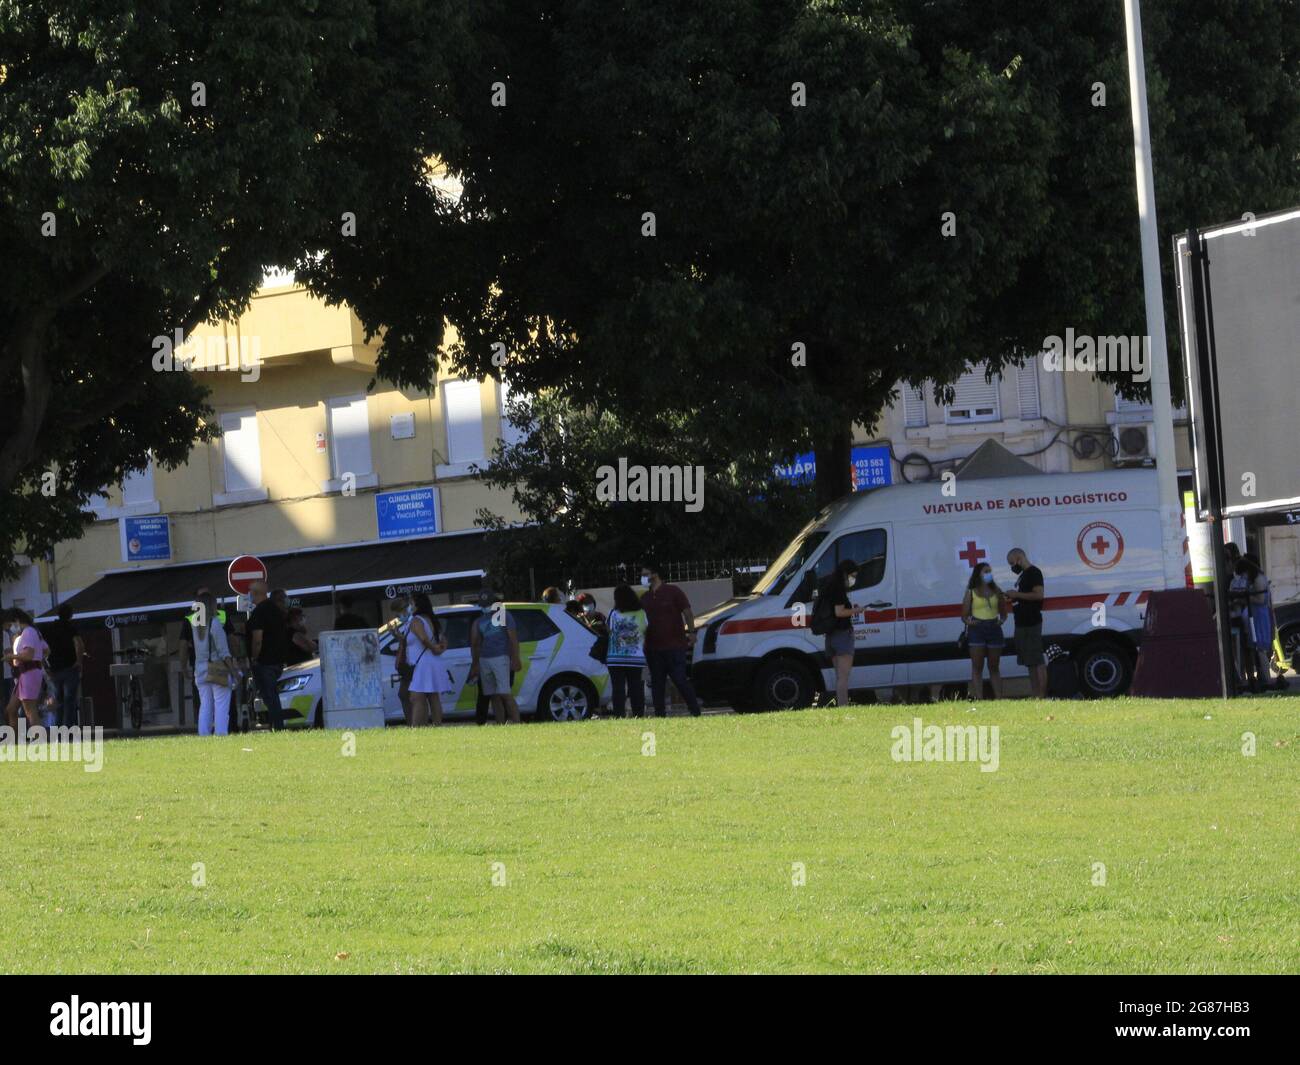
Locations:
(833, 616)
(418, 657)
(983, 610)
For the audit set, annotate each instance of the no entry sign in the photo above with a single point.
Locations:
(243, 572)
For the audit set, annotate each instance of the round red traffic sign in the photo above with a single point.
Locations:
(243, 572)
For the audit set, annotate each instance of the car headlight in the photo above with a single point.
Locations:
(294, 684)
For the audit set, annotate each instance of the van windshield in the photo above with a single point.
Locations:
(791, 561)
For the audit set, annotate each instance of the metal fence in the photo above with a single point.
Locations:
(743, 573)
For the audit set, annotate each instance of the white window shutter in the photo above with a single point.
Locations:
(913, 407)
(511, 434)
(137, 486)
(464, 407)
(239, 444)
(349, 434)
(1131, 406)
(1027, 390)
(975, 399)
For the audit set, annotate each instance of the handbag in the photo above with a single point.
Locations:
(216, 671)
(405, 669)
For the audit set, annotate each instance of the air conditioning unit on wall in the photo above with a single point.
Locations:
(1134, 443)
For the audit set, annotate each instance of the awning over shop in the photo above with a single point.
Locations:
(430, 564)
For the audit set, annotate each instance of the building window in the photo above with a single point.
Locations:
(511, 434)
(1027, 391)
(348, 423)
(1131, 406)
(974, 399)
(463, 408)
(241, 457)
(914, 416)
(137, 496)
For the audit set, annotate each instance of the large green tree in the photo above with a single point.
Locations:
(1224, 101)
(821, 224)
(734, 212)
(154, 158)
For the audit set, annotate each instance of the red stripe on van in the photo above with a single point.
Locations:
(920, 613)
(786, 621)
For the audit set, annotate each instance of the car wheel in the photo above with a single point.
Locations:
(1291, 646)
(318, 721)
(784, 684)
(566, 699)
(1105, 670)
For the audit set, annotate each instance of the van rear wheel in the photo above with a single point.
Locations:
(1105, 669)
(784, 684)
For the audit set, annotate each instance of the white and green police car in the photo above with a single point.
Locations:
(559, 681)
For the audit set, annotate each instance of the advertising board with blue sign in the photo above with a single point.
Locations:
(870, 468)
(406, 513)
(146, 539)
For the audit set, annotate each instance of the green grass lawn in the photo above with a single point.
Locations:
(615, 861)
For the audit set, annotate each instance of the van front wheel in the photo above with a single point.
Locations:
(783, 684)
(1105, 670)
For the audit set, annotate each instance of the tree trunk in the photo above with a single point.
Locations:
(834, 451)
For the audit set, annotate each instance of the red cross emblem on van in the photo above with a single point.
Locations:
(970, 552)
(1100, 545)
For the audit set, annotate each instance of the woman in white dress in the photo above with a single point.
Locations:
(424, 646)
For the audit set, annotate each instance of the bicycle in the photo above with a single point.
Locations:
(131, 702)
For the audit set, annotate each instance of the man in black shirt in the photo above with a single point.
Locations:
(67, 651)
(268, 634)
(1027, 600)
(346, 619)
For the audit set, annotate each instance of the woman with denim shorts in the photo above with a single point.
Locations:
(983, 609)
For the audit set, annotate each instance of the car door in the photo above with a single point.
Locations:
(388, 643)
(540, 647)
(876, 592)
(455, 661)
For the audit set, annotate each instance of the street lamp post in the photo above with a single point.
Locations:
(1161, 402)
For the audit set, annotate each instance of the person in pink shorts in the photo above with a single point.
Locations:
(27, 659)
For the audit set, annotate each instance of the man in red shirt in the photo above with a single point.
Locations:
(669, 633)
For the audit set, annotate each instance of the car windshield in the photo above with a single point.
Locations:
(791, 561)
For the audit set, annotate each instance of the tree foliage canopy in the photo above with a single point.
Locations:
(725, 229)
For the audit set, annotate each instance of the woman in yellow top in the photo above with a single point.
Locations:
(983, 609)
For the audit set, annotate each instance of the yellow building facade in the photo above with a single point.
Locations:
(341, 491)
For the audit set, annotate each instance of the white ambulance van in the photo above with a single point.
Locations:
(1095, 536)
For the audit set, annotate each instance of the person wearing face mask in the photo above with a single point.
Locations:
(592, 617)
(984, 609)
(670, 627)
(833, 599)
(494, 656)
(402, 609)
(1028, 609)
